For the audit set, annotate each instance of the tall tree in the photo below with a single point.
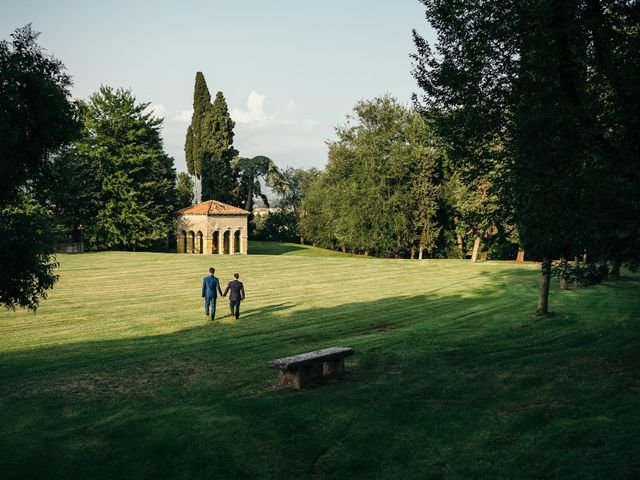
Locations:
(292, 189)
(367, 201)
(520, 76)
(36, 120)
(195, 146)
(218, 152)
(136, 198)
(250, 172)
(184, 190)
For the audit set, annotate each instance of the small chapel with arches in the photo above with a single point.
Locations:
(212, 227)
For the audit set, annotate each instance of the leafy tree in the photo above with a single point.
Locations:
(136, 198)
(250, 172)
(70, 190)
(367, 200)
(27, 266)
(290, 186)
(36, 120)
(217, 180)
(293, 186)
(184, 190)
(278, 226)
(523, 95)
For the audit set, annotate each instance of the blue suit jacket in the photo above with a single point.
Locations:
(209, 286)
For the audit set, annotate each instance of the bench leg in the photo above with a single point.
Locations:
(290, 379)
(333, 367)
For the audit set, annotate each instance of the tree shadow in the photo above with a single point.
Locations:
(272, 248)
(266, 310)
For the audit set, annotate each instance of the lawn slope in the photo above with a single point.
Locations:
(118, 376)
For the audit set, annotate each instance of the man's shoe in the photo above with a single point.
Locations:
(207, 318)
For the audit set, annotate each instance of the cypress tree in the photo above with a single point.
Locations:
(194, 145)
(218, 152)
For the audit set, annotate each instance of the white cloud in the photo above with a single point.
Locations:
(291, 104)
(184, 116)
(255, 110)
(157, 109)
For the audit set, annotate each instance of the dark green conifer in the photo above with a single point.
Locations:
(196, 136)
(218, 150)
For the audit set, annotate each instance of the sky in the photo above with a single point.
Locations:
(291, 71)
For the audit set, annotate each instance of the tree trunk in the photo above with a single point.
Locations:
(460, 244)
(476, 247)
(195, 188)
(604, 268)
(420, 252)
(564, 285)
(577, 273)
(413, 253)
(520, 257)
(615, 268)
(545, 281)
(248, 205)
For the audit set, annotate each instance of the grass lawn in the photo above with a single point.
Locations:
(118, 376)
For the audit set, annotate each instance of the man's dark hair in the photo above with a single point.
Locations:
(236, 275)
(212, 270)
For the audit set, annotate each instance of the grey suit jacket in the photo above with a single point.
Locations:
(237, 290)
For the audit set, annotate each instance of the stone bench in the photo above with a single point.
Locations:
(298, 370)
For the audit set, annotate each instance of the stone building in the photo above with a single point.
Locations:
(212, 227)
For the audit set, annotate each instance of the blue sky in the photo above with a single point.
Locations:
(290, 70)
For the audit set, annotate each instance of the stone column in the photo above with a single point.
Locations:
(180, 248)
(232, 242)
(220, 242)
(243, 242)
(206, 244)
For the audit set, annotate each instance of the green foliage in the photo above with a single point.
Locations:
(26, 264)
(184, 190)
(279, 226)
(528, 97)
(583, 275)
(194, 147)
(36, 116)
(135, 178)
(249, 173)
(218, 152)
(378, 193)
(292, 187)
(70, 190)
(36, 120)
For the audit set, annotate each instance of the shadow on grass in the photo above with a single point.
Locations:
(272, 248)
(469, 385)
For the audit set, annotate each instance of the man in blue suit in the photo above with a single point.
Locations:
(210, 289)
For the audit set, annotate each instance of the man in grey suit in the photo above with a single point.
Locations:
(236, 295)
(210, 289)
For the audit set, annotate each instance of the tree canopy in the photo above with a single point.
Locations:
(377, 194)
(134, 179)
(36, 120)
(527, 98)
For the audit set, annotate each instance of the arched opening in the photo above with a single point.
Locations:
(236, 242)
(215, 245)
(191, 242)
(183, 242)
(198, 242)
(226, 242)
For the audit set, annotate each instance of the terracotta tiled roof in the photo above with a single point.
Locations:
(212, 207)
